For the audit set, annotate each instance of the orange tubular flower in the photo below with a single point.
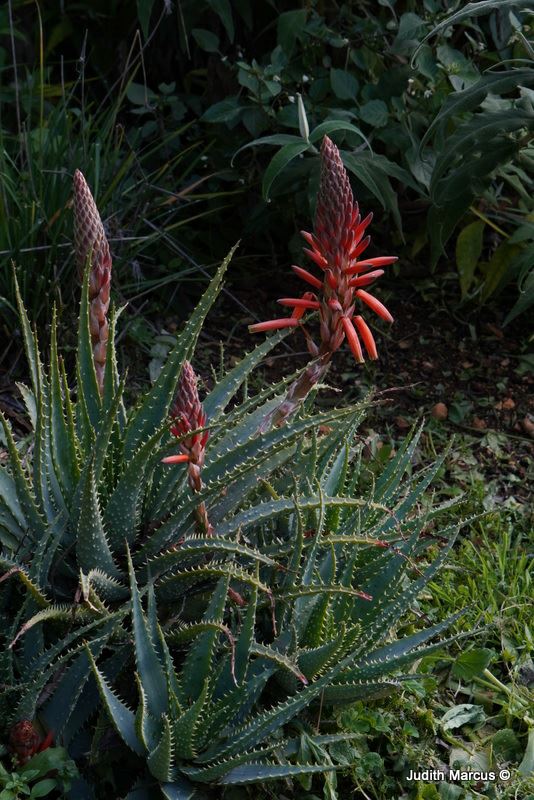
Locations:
(336, 246)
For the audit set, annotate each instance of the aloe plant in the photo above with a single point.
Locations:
(251, 578)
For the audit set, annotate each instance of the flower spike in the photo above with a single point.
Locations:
(337, 242)
(90, 242)
(188, 416)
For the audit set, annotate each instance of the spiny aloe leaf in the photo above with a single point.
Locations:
(229, 677)
(156, 403)
(181, 789)
(333, 482)
(122, 717)
(41, 662)
(239, 426)
(149, 667)
(174, 585)
(70, 415)
(198, 662)
(293, 746)
(198, 546)
(186, 632)
(397, 654)
(293, 577)
(64, 700)
(308, 597)
(89, 702)
(14, 569)
(215, 771)
(262, 725)
(121, 514)
(43, 470)
(401, 509)
(162, 650)
(391, 476)
(8, 496)
(246, 637)
(106, 587)
(32, 514)
(309, 565)
(92, 547)
(328, 447)
(85, 430)
(30, 343)
(236, 704)
(147, 728)
(30, 402)
(313, 661)
(386, 615)
(11, 534)
(105, 430)
(65, 612)
(260, 447)
(242, 486)
(345, 693)
(279, 659)
(382, 571)
(62, 435)
(160, 760)
(219, 397)
(257, 773)
(111, 373)
(184, 727)
(269, 510)
(41, 669)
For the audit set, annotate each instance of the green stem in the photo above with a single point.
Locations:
(488, 221)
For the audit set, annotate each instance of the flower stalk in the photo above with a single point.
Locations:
(91, 245)
(335, 247)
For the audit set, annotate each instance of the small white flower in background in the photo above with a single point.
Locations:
(276, 78)
(305, 79)
(428, 93)
(304, 128)
(291, 98)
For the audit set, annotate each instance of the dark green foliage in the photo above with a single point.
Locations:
(432, 109)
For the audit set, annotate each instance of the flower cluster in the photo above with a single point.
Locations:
(188, 417)
(25, 741)
(336, 247)
(90, 242)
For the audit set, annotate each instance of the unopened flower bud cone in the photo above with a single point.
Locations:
(90, 242)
